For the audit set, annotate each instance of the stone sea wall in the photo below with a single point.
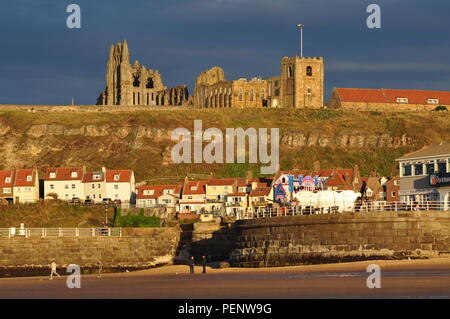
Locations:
(283, 241)
(137, 248)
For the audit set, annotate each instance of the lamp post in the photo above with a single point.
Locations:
(106, 217)
(301, 39)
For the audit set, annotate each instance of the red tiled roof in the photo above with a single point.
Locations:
(89, 177)
(260, 191)
(158, 190)
(124, 175)
(21, 177)
(390, 96)
(221, 181)
(201, 188)
(237, 194)
(63, 173)
(3, 175)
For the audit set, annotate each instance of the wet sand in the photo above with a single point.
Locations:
(399, 279)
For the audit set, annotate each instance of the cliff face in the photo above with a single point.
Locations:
(141, 140)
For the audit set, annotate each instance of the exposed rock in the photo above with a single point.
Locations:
(93, 130)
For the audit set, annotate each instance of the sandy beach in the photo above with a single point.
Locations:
(399, 279)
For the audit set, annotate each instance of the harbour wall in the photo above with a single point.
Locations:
(294, 240)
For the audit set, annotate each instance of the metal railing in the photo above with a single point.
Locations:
(60, 232)
(365, 207)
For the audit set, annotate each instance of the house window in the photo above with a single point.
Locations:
(7, 190)
(73, 186)
(52, 175)
(418, 169)
(74, 174)
(406, 170)
(96, 176)
(98, 185)
(66, 186)
(369, 193)
(116, 177)
(116, 186)
(52, 186)
(99, 195)
(149, 192)
(402, 100)
(93, 196)
(29, 178)
(397, 182)
(93, 186)
(430, 168)
(117, 196)
(194, 188)
(393, 194)
(432, 101)
(309, 91)
(442, 166)
(7, 179)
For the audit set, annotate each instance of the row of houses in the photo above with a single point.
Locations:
(231, 196)
(67, 183)
(424, 177)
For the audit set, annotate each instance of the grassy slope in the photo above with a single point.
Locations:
(52, 215)
(422, 127)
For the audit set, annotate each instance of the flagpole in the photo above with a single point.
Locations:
(301, 39)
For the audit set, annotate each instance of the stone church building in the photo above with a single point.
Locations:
(128, 84)
(300, 85)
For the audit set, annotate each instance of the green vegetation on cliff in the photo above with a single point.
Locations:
(141, 139)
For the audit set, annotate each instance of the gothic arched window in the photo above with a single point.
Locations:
(240, 95)
(309, 71)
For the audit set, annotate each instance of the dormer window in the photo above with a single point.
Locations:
(432, 101)
(116, 177)
(96, 176)
(29, 178)
(74, 174)
(7, 179)
(194, 188)
(149, 192)
(52, 175)
(402, 100)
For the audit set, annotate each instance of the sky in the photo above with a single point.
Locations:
(44, 62)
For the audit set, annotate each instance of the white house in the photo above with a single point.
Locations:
(120, 185)
(64, 183)
(95, 185)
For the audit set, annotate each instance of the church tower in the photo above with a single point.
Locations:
(302, 82)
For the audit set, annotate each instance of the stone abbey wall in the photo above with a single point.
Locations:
(137, 248)
(294, 240)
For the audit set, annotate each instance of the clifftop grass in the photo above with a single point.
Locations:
(146, 156)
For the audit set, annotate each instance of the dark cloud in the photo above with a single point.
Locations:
(43, 62)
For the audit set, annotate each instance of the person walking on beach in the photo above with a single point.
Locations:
(100, 268)
(204, 260)
(53, 270)
(191, 265)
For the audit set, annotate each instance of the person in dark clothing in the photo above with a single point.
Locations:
(191, 264)
(204, 260)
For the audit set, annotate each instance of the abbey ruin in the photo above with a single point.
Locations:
(135, 85)
(300, 85)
